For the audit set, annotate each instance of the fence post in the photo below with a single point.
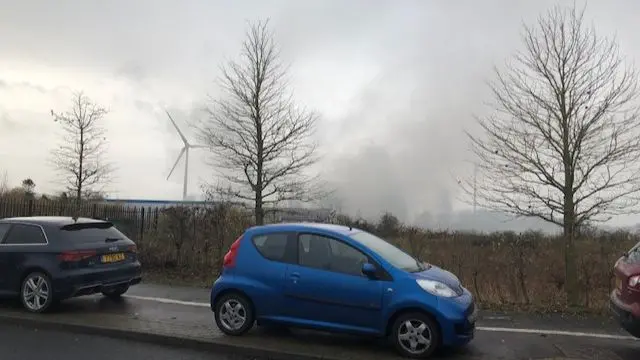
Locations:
(30, 207)
(141, 223)
(94, 210)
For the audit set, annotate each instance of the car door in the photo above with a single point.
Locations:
(278, 250)
(4, 260)
(327, 285)
(22, 244)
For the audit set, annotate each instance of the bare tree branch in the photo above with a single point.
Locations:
(563, 142)
(80, 159)
(260, 137)
(566, 124)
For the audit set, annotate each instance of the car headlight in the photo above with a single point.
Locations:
(436, 288)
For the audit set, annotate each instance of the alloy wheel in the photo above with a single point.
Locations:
(36, 292)
(232, 315)
(414, 336)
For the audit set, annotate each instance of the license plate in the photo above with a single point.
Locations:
(111, 258)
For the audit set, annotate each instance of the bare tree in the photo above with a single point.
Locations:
(80, 157)
(4, 183)
(563, 144)
(29, 188)
(260, 137)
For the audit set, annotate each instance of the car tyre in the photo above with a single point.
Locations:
(234, 314)
(36, 292)
(415, 335)
(116, 292)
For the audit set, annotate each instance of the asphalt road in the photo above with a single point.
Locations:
(28, 343)
(177, 314)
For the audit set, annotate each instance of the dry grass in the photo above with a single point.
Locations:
(526, 272)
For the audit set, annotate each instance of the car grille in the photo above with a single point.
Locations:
(465, 328)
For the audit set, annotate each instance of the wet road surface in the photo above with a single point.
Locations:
(184, 313)
(29, 343)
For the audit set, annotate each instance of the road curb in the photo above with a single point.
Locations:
(159, 339)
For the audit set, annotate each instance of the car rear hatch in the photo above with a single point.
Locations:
(95, 244)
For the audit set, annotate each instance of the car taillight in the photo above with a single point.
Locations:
(634, 281)
(74, 256)
(230, 256)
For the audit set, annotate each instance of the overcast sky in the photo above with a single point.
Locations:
(395, 82)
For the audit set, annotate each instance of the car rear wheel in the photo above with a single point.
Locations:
(234, 314)
(36, 292)
(415, 335)
(115, 292)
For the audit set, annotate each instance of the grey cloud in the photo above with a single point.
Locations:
(434, 59)
(24, 84)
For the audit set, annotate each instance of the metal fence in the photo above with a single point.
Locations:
(132, 220)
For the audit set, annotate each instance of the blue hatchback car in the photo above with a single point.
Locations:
(340, 279)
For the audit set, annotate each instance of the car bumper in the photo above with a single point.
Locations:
(91, 281)
(623, 314)
(460, 333)
(458, 320)
(216, 288)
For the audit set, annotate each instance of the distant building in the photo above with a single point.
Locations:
(154, 203)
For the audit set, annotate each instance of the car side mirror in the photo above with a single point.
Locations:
(369, 270)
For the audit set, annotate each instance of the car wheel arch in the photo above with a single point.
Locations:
(30, 270)
(392, 319)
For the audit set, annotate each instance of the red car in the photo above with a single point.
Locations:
(625, 298)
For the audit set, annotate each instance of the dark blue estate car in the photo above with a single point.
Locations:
(340, 279)
(47, 259)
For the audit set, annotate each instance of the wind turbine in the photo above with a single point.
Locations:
(185, 152)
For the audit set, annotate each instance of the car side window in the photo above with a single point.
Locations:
(22, 234)
(321, 252)
(277, 246)
(4, 228)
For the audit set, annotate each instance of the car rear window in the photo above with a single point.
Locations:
(274, 246)
(89, 233)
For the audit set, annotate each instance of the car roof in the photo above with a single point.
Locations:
(302, 226)
(51, 220)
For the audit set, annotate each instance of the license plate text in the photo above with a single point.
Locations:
(111, 258)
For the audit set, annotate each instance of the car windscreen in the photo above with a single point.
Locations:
(91, 232)
(388, 252)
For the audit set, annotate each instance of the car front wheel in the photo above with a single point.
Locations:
(415, 335)
(36, 292)
(234, 314)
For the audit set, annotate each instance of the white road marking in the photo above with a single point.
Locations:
(496, 317)
(480, 328)
(168, 301)
(556, 332)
